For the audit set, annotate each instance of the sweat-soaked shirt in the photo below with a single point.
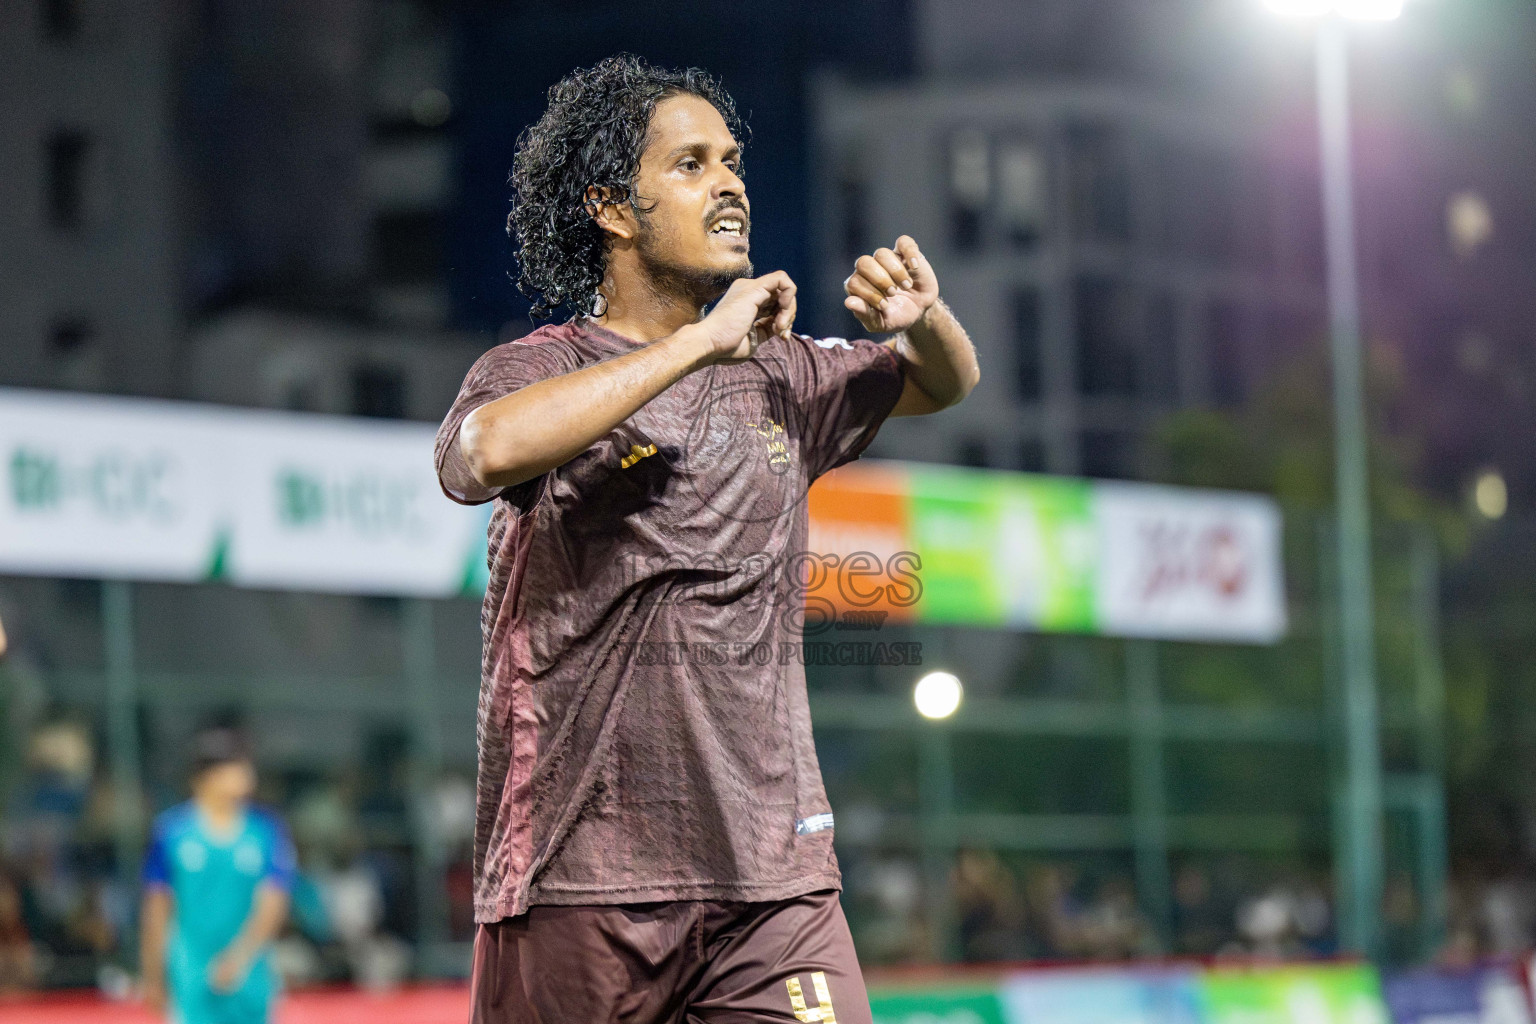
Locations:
(644, 733)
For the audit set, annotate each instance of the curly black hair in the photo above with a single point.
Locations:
(592, 134)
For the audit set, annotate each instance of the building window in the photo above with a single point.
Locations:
(853, 199)
(1299, 220)
(1109, 455)
(69, 336)
(1226, 327)
(970, 188)
(1026, 344)
(1196, 211)
(66, 163)
(379, 392)
(1021, 193)
(1160, 351)
(408, 246)
(1099, 183)
(60, 20)
(1287, 332)
(1106, 337)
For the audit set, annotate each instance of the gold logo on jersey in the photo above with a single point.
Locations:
(823, 1011)
(778, 451)
(636, 453)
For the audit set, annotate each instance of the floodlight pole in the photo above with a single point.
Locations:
(1358, 863)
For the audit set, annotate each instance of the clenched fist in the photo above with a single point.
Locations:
(891, 290)
(751, 311)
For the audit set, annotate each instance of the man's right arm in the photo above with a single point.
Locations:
(543, 426)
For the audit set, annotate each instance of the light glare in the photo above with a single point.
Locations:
(937, 694)
(1491, 495)
(1371, 10)
(1300, 8)
(1359, 10)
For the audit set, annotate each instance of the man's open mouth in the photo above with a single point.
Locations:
(732, 224)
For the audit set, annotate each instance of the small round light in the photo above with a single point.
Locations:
(1468, 223)
(431, 108)
(937, 694)
(1490, 494)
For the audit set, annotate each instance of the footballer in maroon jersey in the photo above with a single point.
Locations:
(653, 839)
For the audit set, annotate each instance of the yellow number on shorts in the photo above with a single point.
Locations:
(823, 1011)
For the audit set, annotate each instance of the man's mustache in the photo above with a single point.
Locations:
(732, 204)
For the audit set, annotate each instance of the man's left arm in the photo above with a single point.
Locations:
(895, 291)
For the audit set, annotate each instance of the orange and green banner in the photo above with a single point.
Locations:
(944, 544)
(1281, 994)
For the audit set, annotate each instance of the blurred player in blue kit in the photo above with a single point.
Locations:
(216, 885)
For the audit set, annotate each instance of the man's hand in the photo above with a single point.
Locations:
(891, 290)
(751, 311)
(229, 970)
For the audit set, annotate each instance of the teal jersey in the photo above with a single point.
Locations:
(213, 880)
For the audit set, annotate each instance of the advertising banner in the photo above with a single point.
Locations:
(349, 505)
(1294, 994)
(1472, 996)
(1330, 994)
(1054, 554)
(138, 489)
(110, 488)
(1106, 996)
(943, 1004)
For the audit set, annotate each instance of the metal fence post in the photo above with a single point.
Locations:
(123, 741)
(936, 807)
(1430, 700)
(426, 763)
(1149, 799)
(1361, 842)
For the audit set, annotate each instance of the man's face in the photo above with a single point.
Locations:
(230, 782)
(692, 208)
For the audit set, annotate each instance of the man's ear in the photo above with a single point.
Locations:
(611, 216)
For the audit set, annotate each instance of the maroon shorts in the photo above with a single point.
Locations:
(670, 963)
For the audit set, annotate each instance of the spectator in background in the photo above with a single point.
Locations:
(991, 915)
(1113, 928)
(1199, 924)
(353, 898)
(216, 884)
(18, 963)
(1509, 915)
(1055, 911)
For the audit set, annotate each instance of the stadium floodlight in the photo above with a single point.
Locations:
(1371, 10)
(937, 695)
(1358, 10)
(1360, 845)
(1300, 8)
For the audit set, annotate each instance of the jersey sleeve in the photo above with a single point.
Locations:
(157, 859)
(846, 388)
(498, 373)
(282, 861)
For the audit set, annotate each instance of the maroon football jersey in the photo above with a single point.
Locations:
(643, 736)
